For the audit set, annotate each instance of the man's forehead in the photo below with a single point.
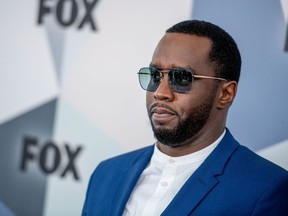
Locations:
(182, 47)
(185, 42)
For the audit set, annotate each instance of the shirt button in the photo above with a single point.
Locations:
(164, 184)
(171, 161)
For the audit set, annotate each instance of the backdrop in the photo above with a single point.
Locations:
(70, 96)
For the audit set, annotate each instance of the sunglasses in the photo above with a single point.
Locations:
(180, 79)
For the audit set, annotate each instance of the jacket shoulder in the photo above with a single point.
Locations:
(127, 159)
(263, 167)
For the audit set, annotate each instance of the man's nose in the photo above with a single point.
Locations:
(164, 90)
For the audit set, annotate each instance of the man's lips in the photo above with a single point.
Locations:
(162, 113)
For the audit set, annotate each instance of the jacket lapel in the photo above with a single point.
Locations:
(203, 180)
(128, 180)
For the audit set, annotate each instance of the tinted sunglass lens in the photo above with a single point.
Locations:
(149, 78)
(180, 80)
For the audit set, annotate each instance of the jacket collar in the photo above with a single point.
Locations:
(128, 180)
(204, 178)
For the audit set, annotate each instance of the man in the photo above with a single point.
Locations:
(196, 167)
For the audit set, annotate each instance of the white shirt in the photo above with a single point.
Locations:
(162, 179)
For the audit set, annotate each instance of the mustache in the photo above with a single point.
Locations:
(157, 104)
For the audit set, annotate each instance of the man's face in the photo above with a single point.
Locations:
(178, 117)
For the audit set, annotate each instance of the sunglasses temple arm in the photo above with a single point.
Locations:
(209, 77)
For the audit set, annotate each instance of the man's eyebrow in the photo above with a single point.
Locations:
(187, 67)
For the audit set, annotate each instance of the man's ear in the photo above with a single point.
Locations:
(227, 94)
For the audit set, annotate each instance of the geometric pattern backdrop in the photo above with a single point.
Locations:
(65, 88)
(70, 95)
(24, 193)
(259, 116)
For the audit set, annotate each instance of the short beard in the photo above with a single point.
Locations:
(186, 128)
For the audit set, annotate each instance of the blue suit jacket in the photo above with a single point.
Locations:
(231, 181)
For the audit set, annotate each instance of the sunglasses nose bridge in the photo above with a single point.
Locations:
(162, 74)
(164, 82)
